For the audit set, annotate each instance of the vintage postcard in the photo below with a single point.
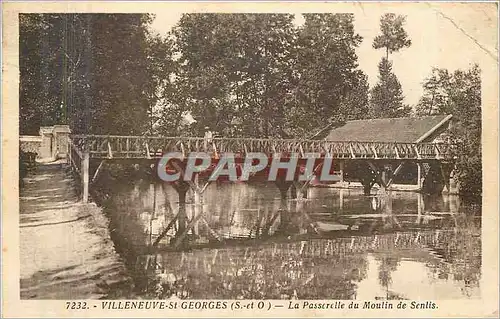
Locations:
(249, 159)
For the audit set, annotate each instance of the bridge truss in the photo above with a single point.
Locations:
(147, 147)
(375, 156)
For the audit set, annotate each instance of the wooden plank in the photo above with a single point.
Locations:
(397, 152)
(191, 224)
(127, 141)
(416, 151)
(97, 171)
(352, 151)
(148, 155)
(110, 153)
(165, 231)
(395, 173)
(85, 177)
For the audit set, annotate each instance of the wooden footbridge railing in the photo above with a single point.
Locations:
(84, 148)
(144, 147)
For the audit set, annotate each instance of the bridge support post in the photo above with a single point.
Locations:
(300, 189)
(341, 171)
(446, 169)
(367, 186)
(420, 208)
(367, 178)
(68, 146)
(85, 176)
(285, 215)
(293, 191)
(433, 182)
(181, 187)
(341, 199)
(419, 176)
(283, 186)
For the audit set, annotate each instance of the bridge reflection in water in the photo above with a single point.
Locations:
(247, 242)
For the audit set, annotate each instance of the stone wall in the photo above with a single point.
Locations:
(51, 143)
(29, 143)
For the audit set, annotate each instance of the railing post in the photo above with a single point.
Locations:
(85, 176)
(419, 176)
(68, 144)
(341, 168)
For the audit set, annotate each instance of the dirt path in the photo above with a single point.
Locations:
(65, 248)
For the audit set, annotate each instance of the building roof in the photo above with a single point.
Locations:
(402, 130)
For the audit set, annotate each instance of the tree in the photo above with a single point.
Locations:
(235, 71)
(118, 62)
(355, 104)
(435, 98)
(459, 94)
(164, 115)
(260, 75)
(40, 87)
(394, 36)
(92, 71)
(386, 98)
(465, 100)
(328, 86)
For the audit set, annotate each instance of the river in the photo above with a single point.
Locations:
(246, 242)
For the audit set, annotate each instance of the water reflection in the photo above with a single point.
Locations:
(244, 241)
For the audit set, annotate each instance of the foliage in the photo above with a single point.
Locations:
(394, 36)
(459, 94)
(39, 92)
(256, 75)
(435, 98)
(329, 87)
(386, 98)
(235, 71)
(260, 75)
(93, 71)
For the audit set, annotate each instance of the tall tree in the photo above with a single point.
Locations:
(40, 58)
(386, 98)
(465, 99)
(394, 36)
(235, 70)
(436, 92)
(92, 71)
(260, 75)
(118, 63)
(355, 102)
(459, 94)
(328, 85)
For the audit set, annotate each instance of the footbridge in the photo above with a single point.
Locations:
(376, 162)
(380, 162)
(143, 147)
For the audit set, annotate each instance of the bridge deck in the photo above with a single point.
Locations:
(144, 147)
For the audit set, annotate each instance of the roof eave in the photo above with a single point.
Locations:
(434, 129)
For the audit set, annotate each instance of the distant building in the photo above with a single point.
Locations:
(425, 129)
(50, 144)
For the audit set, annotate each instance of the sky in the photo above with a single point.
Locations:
(445, 35)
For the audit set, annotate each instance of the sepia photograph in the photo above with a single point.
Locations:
(220, 159)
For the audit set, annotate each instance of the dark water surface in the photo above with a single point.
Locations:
(246, 242)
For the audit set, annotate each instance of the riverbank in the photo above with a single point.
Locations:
(66, 249)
